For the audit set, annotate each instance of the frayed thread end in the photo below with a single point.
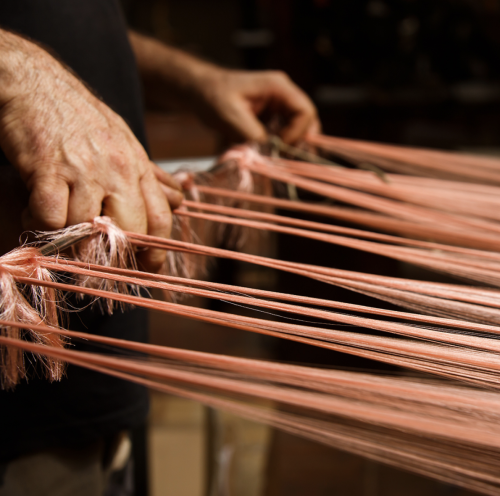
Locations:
(105, 244)
(30, 305)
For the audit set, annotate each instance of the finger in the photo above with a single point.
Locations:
(159, 218)
(241, 122)
(85, 203)
(300, 114)
(315, 127)
(165, 177)
(126, 207)
(171, 188)
(291, 102)
(296, 127)
(48, 203)
(174, 197)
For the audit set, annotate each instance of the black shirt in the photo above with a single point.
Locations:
(89, 36)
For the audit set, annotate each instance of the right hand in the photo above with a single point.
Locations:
(76, 156)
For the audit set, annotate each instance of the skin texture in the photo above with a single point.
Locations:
(79, 159)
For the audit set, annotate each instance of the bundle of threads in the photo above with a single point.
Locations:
(432, 424)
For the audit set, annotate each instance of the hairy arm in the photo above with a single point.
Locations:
(230, 100)
(77, 157)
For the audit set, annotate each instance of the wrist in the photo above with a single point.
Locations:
(199, 82)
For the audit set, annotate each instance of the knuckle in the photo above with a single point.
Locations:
(310, 112)
(51, 174)
(42, 171)
(160, 221)
(129, 165)
(280, 75)
(118, 161)
(49, 185)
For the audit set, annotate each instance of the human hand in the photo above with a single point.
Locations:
(77, 157)
(233, 101)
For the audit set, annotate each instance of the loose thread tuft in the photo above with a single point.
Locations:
(31, 306)
(106, 245)
(231, 173)
(187, 230)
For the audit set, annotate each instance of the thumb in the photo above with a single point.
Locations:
(243, 123)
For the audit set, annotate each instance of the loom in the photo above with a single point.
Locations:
(442, 422)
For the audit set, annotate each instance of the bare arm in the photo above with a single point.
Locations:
(77, 157)
(230, 100)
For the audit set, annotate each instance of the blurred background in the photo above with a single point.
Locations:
(420, 72)
(413, 72)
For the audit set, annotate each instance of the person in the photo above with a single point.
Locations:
(71, 124)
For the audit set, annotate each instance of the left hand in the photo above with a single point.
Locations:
(233, 101)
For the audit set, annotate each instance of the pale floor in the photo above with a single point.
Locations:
(176, 444)
(178, 456)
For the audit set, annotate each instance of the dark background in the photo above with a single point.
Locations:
(420, 72)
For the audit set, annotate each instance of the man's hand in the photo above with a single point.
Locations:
(77, 157)
(236, 102)
(233, 101)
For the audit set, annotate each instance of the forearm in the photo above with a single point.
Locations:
(171, 77)
(229, 100)
(15, 56)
